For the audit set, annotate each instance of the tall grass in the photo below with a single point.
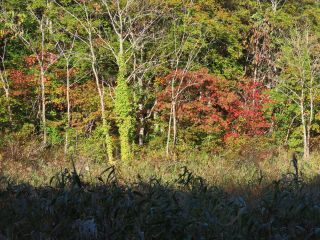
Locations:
(186, 207)
(47, 195)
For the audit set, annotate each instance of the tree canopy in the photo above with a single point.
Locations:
(173, 72)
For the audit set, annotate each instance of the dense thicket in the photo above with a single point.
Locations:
(163, 74)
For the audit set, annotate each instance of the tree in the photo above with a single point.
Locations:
(213, 105)
(130, 23)
(4, 74)
(299, 79)
(38, 43)
(87, 35)
(260, 54)
(66, 49)
(185, 42)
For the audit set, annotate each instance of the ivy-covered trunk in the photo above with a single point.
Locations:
(123, 108)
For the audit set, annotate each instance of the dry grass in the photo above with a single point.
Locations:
(195, 196)
(184, 208)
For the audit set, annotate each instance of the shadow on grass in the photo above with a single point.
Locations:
(185, 209)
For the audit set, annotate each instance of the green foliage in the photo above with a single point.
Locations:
(299, 81)
(4, 114)
(232, 39)
(54, 135)
(295, 141)
(94, 147)
(27, 130)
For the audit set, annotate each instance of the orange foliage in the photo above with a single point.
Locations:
(22, 83)
(85, 105)
(214, 104)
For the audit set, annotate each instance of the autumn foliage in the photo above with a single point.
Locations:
(214, 105)
(22, 84)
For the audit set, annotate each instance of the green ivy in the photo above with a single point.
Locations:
(123, 109)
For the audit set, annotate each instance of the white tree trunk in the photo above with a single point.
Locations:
(169, 134)
(43, 105)
(68, 109)
(102, 104)
(306, 133)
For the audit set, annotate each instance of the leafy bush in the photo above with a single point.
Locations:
(54, 135)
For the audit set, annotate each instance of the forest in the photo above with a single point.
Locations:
(159, 119)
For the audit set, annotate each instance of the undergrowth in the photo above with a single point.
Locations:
(194, 195)
(187, 207)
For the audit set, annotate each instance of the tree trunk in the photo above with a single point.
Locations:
(306, 136)
(169, 134)
(43, 105)
(7, 94)
(42, 83)
(307, 149)
(174, 118)
(68, 109)
(306, 143)
(142, 126)
(141, 105)
(5, 83)
(9, 105)
(123, 106)
(105, 125)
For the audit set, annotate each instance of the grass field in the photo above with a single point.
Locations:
(195, 196)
